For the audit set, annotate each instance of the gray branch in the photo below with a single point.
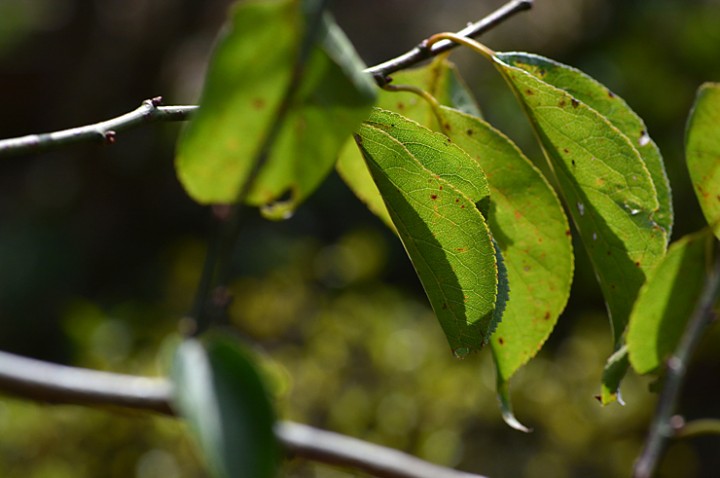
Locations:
(51, 383)
(150, 110)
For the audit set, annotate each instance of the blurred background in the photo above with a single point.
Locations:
(100, 249)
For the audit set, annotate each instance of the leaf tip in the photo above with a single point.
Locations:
(506, 410)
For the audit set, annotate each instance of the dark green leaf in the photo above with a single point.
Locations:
(703, 152)
(532, 231)
(441, 80)
(219, 392)
(445, 235)
(255, 65)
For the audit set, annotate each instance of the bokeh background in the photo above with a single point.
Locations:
(100, 249)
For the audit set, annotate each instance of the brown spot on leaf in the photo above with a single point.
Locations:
(637, 263)
(469, 132)
(501, 341)
(565, 150)
(447, 127)
(457, 200)
(568, 233)
(433, 196)
(444, 306)
(574, 103)
(461, 249)
(441, 188)
(529, 92)
(611, 94)
(573, 162)
(400, 105)
(518, 214)
(258, 103)
(562, 104)
(547, 315)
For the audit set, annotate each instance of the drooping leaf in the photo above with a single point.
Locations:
(703, 152)
(441, 80)
(218, 391)
(667, 301)
(530, 226)
(615, 369)
(598, 97)
(444, 234)
(608, 189)
(256, 63)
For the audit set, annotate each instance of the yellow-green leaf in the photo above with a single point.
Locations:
(528, 223)
(606, 185)
(444, 234)
(440, 79)
(667, 301)
(703, 152)
(258, 60)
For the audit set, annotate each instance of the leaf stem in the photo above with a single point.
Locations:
(703, 426)
(661, 428)
(461, 40)
(59, 384)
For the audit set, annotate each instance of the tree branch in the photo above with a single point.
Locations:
(103, 132)
(42, 381)
(662, 428)
(150, 110)
(421, 52)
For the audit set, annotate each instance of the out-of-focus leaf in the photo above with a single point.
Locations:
(666, 302)
(607, 187)
(528, 223)
(254, 66)
(597, 96)
(703, 152)
(441, 80)
(218, 391)
(443, 232)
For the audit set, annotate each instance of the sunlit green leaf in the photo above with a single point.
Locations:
(254, 65)
(666, 302)
(441, 80)
(219, 392)
(445, 235)
(598, 97)
(607, 187)
(703, 152)
(530, 226)
(615, 369)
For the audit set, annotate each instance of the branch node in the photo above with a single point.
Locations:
(156, 101)
(109, 136)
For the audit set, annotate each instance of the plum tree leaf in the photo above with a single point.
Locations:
(441, 80)
(258, 73)
(218, 391)
(606, 185)
(703, 152)
(613, 108)
(609, 189)
(667, 300)
(444, 234)
(528, 223)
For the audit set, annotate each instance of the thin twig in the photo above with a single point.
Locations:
(150, 110)
(421, 52)
(103, 132)
(51, 383)
(661, 428)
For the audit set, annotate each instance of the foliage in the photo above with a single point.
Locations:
(286, 100)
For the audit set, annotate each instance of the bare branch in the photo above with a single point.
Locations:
(662, 428)
(150, 110)
(420, 52)
(103, 132)
(52, 383)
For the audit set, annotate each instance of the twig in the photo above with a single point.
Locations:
(150, 110)
(42, 381)
(103, 132)
(661, 428)
(699, 427)
(421, 52)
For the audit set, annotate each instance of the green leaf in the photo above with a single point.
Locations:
(441, 80)
(444, 234)
(608, 189)
(703, 152)
(615, 369)
(528, 223)
(667, 301)
(218, 391)
(245, 119)
(598, 97)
